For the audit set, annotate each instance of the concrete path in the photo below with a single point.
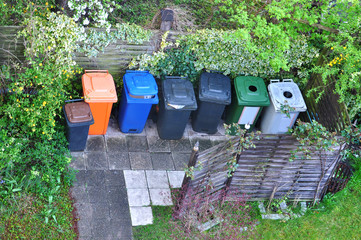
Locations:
(121, 175)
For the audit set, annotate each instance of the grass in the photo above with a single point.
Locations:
(337, 217)
(24, 220)
(160, 229)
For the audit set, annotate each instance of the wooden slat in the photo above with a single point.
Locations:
(263, 168)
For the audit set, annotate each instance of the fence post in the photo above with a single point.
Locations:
(186, 181)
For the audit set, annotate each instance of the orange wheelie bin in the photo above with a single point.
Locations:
(99, 91)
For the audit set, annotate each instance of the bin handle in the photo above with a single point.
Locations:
(215, 71)
(287, 80)
(175, 77)
(275, 80)
(90, 71)
(136, 71)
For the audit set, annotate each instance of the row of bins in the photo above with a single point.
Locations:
(177, 101)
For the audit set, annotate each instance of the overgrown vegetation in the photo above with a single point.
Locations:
(34, 155)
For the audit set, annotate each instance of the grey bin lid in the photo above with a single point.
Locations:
(215, 88)
(178, 94)
(286, 92)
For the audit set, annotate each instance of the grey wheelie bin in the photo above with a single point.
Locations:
(214, 94)
(175, 106)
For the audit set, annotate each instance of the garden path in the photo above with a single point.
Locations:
(121, 175)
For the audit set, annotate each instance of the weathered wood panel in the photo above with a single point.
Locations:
(265, 170)
(116, 57)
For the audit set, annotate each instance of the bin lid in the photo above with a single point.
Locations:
(78, 112)
(215, 87)
(179, 94)
(286, 92)
(251, 91)
(98, 86)
(140, 83)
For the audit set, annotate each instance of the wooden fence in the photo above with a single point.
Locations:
(116, 57)
(264, 172)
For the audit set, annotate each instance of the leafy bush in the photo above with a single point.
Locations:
(33, 152)
(14, 12)
(222, 51)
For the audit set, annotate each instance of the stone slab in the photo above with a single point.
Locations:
(140, 160)
(116, 144)
(137, 143)
(77, 161)
(180, 160)
(135, 179)
(162, 161)
(138, 197)
(181, 145)
(118, 160)
(141, 215)
(160, 197)
(157, 179)
(96, 161)
(175, 178)
(95, 143)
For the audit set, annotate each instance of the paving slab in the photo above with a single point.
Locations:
(97, 194)
(96, 161)
(175, 178)
(138, 197)
(140, 160)
(160, 197)
(114, 178)
(135, 179)
(95, 178)
(180, 160)
(162, 161)
(158, 145)
(181, 145)
(118, 160)
(113, 128)
(95, 143)
(141, 215)
(77, 161)
(80, 194)
(157, 179)
(117, 194)
(137, 143)
(116, 144)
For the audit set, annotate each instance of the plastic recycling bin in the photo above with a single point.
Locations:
(78, 118)
(287, 96)
(214, 94)
(175, 107)
(249, 97)
(99, 91)
(139, 94)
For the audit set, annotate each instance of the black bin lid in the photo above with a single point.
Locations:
(215, 87)
(178, 94)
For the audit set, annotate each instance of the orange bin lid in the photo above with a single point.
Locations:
(98, 86)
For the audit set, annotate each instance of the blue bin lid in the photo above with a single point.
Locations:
(215, 88)
(179, 94)
(140, 83)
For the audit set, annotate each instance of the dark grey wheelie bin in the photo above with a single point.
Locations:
(214, 95)
(78, 118)
(175, 106)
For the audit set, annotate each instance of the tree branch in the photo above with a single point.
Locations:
(317, 25)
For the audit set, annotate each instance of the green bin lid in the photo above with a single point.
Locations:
(251, 91)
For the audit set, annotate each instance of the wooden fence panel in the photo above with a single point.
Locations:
(265, 170)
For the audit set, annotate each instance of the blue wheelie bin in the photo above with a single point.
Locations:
(139, 94)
